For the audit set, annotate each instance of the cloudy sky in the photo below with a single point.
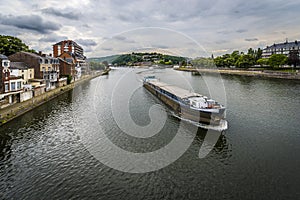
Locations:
(190, 28)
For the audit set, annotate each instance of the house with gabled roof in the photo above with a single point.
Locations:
(45, 67)
(21, 69)
(10, 86)
(285, 48)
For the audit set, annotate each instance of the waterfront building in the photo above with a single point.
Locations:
(67, 46)
(285, 48)
(4, 72)
(21, 69)
(66, 64)
(67, 49)
(45, 67)
(11, 87)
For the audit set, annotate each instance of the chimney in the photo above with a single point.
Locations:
(40, 53)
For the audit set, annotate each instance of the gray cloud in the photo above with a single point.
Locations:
(221, 41)
(123, 39)
(218, 26)
(241, 30)
(88, 49)
(223, 32)
(107, 48)
(119, 37)
(86, 42)
(251, 39)
(52, 38)
(61, 13)
(160, 46)
(30, 22)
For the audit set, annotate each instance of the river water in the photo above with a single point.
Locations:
(111, 139)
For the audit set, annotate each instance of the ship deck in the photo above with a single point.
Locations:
(179, 92)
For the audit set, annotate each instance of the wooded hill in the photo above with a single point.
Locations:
(10, 45)
(138, 58)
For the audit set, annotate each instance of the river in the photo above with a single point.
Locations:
(111, 139)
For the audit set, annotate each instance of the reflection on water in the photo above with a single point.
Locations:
(42, 155)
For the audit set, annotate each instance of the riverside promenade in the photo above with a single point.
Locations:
(241, 72)
(9, 113)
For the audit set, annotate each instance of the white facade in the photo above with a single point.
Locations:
(15, 85)
(78, 71)
(26, 74)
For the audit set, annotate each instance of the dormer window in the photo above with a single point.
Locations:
(5, 63)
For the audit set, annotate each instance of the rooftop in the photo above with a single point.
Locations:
(3, 57)
(285, 45)
(31, 54)
(69, 42)
(18, 65)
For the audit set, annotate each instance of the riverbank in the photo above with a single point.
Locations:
(241, 72)
(11, 112)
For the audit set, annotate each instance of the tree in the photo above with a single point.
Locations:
(277, 60)
(235, 55)
(263, 61)
(229, 62)
(10, 45)
(258, 54)
(105, 63)
(203, 63)
(96, 65)
(245, 61)
(183, 63)
(219, 61)
(251, 52)
(293, 58)
(69, 79)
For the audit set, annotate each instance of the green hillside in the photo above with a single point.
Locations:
(108, 59)
(155, 58)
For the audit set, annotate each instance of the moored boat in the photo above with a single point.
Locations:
(188, 105)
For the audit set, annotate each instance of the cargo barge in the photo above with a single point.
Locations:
(190, 106)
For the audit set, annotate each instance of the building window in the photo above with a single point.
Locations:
(18, 85)
(6, 87)
(5, 64)
(30, 75)
(13, 86)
